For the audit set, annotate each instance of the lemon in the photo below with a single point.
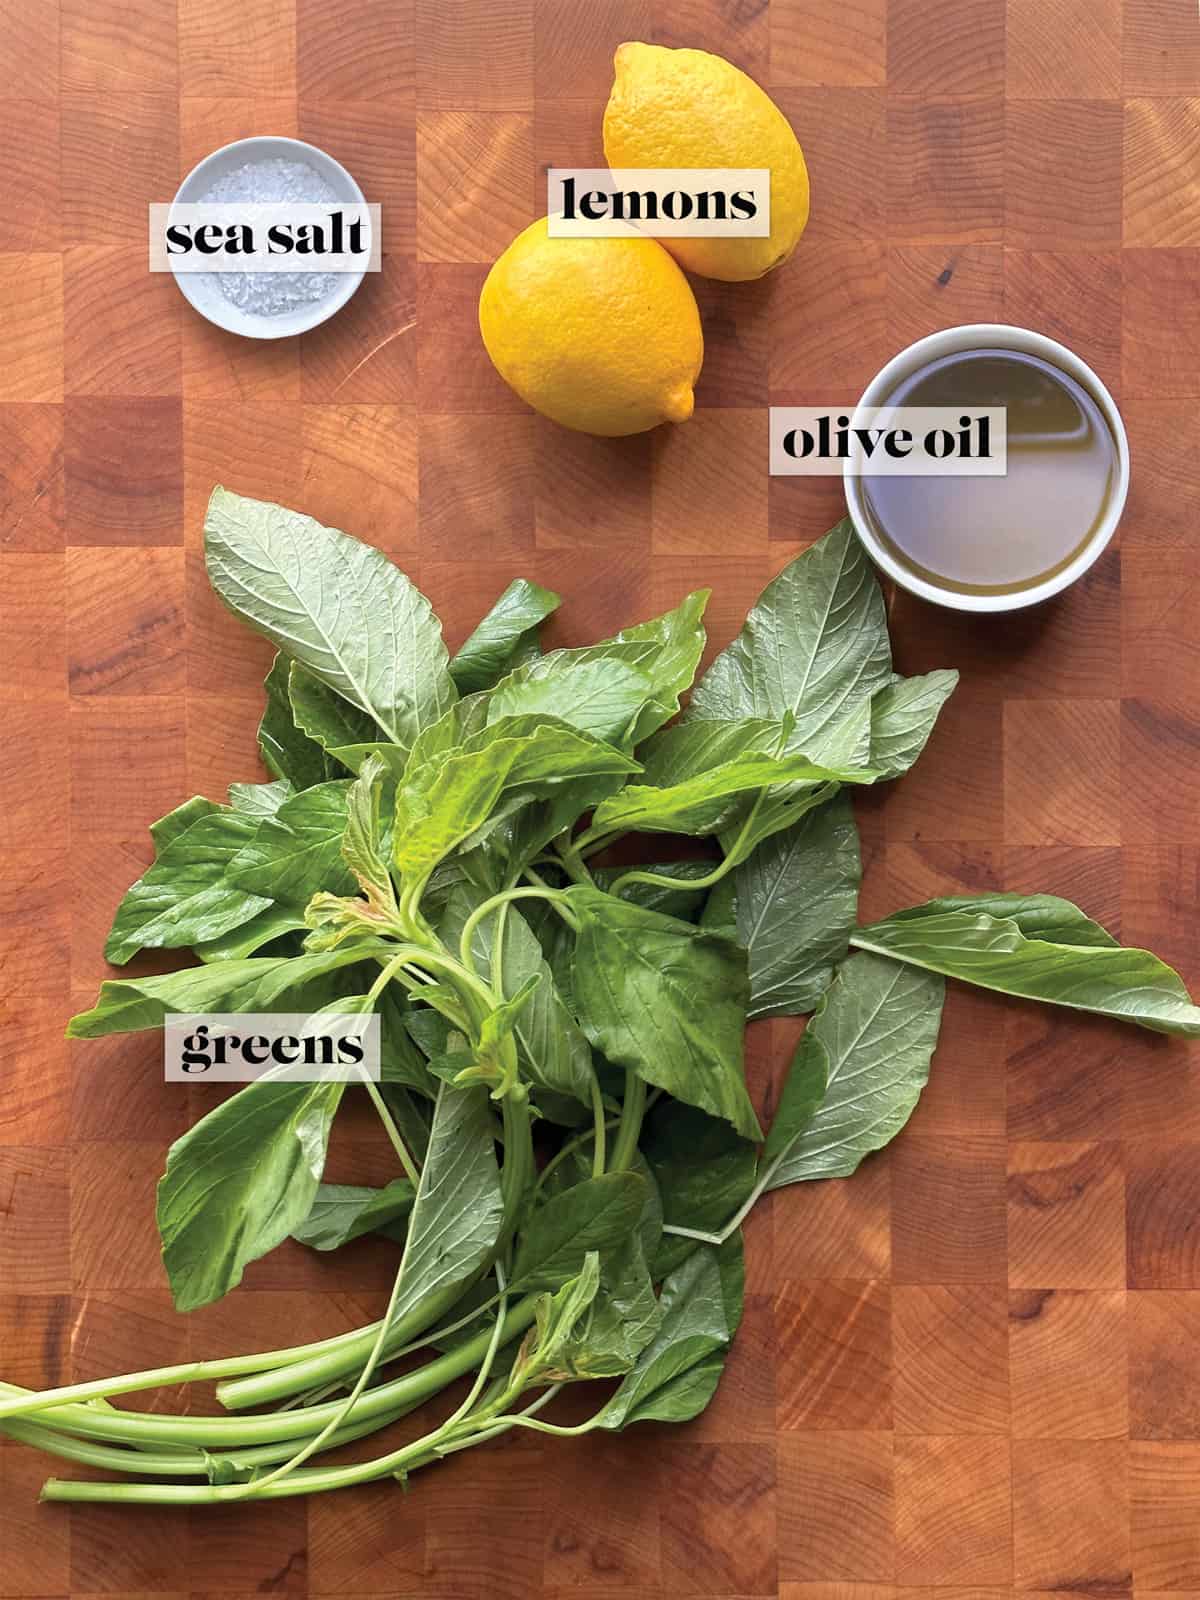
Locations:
(687, 108)
(602, 335)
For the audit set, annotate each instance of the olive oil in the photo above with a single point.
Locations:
(1000, 535)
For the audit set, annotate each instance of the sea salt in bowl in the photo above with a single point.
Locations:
(203, 290)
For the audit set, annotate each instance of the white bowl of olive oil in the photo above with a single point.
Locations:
(998, 543)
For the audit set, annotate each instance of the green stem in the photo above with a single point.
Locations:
(171, 1461)
(109, 1458)
(571, 1146)
(659, 880)
(496, 963)
(694, 1233)
(16, 1402)
(458, 1433)
(761, 1185)
(411, 1171)
(230, 1433)
(286, 1468)
(630, 1130)
(599, 1130)
(572, 864)
(556, 897)
(517, 1173)
(328, 1365)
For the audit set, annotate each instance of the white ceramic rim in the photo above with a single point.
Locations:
(242, 322)
(975, 336)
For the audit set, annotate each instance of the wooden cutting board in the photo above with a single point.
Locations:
(976, 1366)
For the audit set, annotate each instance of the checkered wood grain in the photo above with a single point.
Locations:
(975, 1367)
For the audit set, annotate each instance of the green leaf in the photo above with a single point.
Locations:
(324, 716)
(352, 756)
(287, 752)
(597, 1214)
(676, 643)
(458, 1209)
(400, 1060)
(691, 749)
(335, 605)
(599, 697)
(554, 1055)
(441, 804)
(796, 902)
(902, 718)
(666, 651)
(815, 645)
(411, 1116)
(428, 1029)
(704, 1172)
(876, 1029)
(341, 1212)
(559, 1323)
(188, 894)
(1039, 916)
(666, 1000)
(773, 812)
(298, 852)
(126, 1005)
(261, 930)
(803, 1093)
(260, 799)
(1040, 948)
(622, 1320)
(682, 902)
(714, 800)
(177, 821)
(597, 1324)
(676, 1374)
(511, 623)
(239, 1182)
(364, 845)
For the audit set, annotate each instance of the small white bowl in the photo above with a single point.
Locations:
(996, 336)
(203, 289)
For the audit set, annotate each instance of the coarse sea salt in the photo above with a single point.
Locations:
(273, 294)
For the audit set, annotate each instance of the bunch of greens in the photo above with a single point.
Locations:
(431, 848)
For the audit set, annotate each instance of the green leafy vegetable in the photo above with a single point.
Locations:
(342, 1211)
(260, 799)
(796, 897)
(599, 697)
(289, 754)
(902, 718)
(187, 896)
(127, 1005)
(815, 646)
(858, 1072)
(598, 1214)
(553, 1050)
(252, 936)
(239, 1182)
(502, 635)
(1040, 948)
(178, 821)
(562, 1082)
(711, 802)
(336, 606)
(678, 1371)
(458, 1210)
(324, 716)
(518, 758)
(298, 851)
(703, 1170)
(666, 1000)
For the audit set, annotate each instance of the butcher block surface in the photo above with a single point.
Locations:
(974, 1367)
